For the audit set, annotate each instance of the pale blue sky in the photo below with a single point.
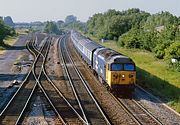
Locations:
(43, 10)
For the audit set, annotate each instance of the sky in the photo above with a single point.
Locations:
(53, 10)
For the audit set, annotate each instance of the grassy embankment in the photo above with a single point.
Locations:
(153, 74)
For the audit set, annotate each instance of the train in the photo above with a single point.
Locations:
(113, 69)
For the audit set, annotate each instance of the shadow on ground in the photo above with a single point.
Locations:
(159, 87)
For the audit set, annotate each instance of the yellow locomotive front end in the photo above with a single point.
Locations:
(121, 77)
(116, 70)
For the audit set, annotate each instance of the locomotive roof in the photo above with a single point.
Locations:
(111, 56)
(120, 59)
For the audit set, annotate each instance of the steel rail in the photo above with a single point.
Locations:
(71, 83)
(136, 120)
(10, 101)
(39, 84)
(32, 92)
(58, 91)
(20, 89)
(157, 99)
(61, 94)
(87, 87)
(142, 109)
(148, 113)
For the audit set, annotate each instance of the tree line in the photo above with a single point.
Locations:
(61, 27)
(158, 33)
(133, 28)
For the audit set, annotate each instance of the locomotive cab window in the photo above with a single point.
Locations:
(129, 67)
(116, 67)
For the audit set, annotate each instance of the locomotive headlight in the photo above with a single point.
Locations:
(123, 76)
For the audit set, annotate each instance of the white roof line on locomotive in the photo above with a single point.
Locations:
(120, 56)
(117, 56)
(101, 57)
(98, 49)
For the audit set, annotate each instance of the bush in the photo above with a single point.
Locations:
(173, 52)
(130, 39)
(120, 42)
(160, 51)
(5, 31)
(175, 66)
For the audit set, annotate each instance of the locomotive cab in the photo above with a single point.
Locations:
(121, 74)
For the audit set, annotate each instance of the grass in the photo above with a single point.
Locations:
(8, 42)
(153, 74)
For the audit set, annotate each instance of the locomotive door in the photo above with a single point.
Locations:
(108, 75)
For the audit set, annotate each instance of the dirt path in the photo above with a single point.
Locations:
(10, 72)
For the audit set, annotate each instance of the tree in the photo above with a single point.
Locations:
(60, 23)
(5, 31)
(112, 23)
(173, 52)
(70, 19)
(2, 32)
(160, 19)
(8, 21)
(148, 39)
(159, 50)
(130, 39)
(51, 27)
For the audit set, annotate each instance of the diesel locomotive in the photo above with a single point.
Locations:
(114, 69)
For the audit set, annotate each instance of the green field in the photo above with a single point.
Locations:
(153, 74)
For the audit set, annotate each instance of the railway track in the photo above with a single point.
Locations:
(85, 111)
(138, 112)
(66, 113)
(14, 111)
(89, 107)
(41, 77)
(37, 70)
(15, 107)
(55, 98)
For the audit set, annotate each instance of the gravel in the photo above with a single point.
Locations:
(36, 117)
(39, 114)
(156, 107)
